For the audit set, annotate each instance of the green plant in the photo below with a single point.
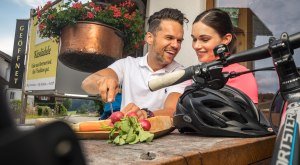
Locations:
(39, 111)
(129, 131)
(61, 110)
(46, 111)
(67, 103)
(123, 16)
(43, 110)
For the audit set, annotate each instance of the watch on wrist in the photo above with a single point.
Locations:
(149, 113)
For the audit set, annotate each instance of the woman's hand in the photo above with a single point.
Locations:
(134, 108)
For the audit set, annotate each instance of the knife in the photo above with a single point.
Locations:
(110, 104)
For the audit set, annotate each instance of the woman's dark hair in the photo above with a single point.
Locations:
(220, 21)
(165, 14)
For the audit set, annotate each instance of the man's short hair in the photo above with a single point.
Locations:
(165, 14)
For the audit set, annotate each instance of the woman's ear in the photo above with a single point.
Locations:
(227, 38)
(149, 38)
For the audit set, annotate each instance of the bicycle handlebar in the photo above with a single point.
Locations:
(257, 53)
(261, 52)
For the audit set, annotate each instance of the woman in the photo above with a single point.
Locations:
(214, 27)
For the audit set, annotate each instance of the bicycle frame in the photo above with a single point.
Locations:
(287, 142)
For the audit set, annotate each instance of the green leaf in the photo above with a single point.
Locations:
(112, 133)
(146, 136)
(131, 136)
(117, 125)
(117, 140)
(124, 136)
(122, 141)
(125, 125)
(136, 139)
(150, 137)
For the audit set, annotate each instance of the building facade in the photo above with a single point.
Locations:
(5, 64)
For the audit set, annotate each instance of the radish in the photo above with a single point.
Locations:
(132, 114)
(116, 116)
(146, 125)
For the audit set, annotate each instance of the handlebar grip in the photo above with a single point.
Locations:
(170, 79)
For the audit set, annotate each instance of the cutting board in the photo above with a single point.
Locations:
(102, 135)
(160, 126)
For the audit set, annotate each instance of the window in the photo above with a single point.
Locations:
(12, 95)
(44, 98)
(272, 17)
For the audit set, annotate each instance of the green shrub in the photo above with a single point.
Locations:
(46, 111)
(60, 110)
(39, 111)
(67, 103)
(43, 110)
(63, 111)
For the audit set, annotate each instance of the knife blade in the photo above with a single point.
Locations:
(110, 104)
(111, 108)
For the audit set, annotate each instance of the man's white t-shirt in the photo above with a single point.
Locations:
(134, 75)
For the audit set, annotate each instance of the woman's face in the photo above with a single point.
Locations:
(205, 39)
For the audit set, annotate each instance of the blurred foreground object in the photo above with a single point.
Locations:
(51, 144)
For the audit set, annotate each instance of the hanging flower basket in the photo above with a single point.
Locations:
(90, 46)
(92, 35)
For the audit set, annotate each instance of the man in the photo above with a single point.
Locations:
(164, 39)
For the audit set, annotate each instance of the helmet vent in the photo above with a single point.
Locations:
(209, 122)
(212, 104)
(235, 117)
(198, 94)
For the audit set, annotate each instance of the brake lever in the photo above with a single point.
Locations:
(211, 77)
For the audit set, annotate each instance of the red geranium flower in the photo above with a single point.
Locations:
(90, 15)
(77, 5)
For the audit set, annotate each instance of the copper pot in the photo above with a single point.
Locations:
(90, 46)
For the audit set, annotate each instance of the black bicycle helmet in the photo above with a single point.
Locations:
(226, 112)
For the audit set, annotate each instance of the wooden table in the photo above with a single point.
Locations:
(180, 149)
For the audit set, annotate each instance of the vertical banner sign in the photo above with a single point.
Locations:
(17, 65)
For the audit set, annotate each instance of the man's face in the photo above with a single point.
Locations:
(165, 43)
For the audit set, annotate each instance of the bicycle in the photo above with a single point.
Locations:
(210, 75)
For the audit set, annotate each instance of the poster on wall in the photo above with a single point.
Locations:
(42, 61)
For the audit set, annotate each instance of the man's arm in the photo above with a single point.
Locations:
(103, 82)
(169, 105)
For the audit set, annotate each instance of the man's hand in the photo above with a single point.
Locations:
(104, 82)
(134, 108)
(108, 88)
